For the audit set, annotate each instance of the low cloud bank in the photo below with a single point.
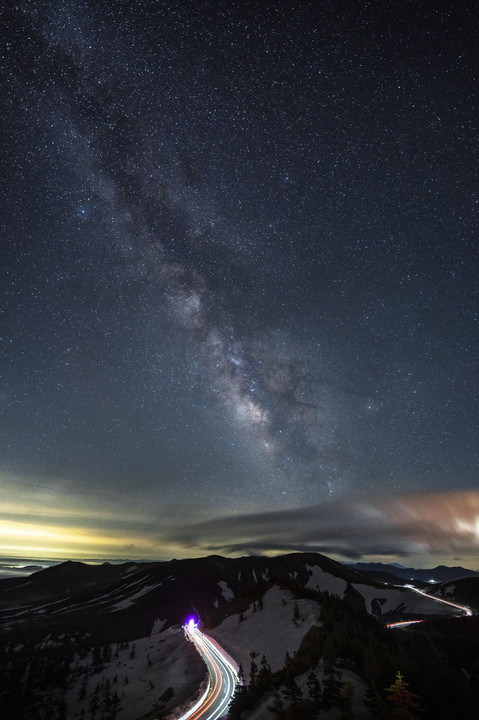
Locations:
(49, 523)
(417, 524)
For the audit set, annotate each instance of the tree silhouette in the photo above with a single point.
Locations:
(253, 668)
(332, 683)
(292, 692)
(314, 687)
(403, 701)
(241, 674)
(277, 708)
(296, 613)
(345, 702)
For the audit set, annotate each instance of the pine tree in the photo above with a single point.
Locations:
(377, 704)
(287, 660)
(264, 675)
(82, 691)
(94, 703)
(292, 692)
(277, 708)
(403, 701)
(296, 613)
(241, 674)
(314, 687)
(253, 668)
(239, 702)
(345, 702)
(115, 701)
(97, 659)
(332, 683)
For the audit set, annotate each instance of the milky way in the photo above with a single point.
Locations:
(239, 252)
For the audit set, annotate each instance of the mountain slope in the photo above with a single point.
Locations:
(125, 601)
(441, 573)
(464, 591)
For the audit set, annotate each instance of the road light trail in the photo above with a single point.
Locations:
(404, 623)
(464, 609)
(223, 679)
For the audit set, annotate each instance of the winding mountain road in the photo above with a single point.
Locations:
(405, 623)
(223, 679)
(464, 609)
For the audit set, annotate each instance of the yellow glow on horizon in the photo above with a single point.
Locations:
(85, 536)
(37, 540)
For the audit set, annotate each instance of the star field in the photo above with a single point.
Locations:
(239, 257)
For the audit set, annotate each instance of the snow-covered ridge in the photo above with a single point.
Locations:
(388, 598)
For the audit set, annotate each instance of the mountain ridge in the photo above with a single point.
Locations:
(441, 573)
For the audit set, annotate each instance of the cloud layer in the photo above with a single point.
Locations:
(441, 526)
(418, 524)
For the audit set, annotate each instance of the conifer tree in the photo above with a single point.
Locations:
(292, 691)
(296, 613)
(82, 691)
(377, 705)
(277, 708)
(314, 687)
(253, 668)
(345, 702)
(404, 702)
(332, 683)
(241, 674)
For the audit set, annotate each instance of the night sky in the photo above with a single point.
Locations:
(239, 275)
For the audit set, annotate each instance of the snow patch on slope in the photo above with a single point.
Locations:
(129, 570)
(271, 631)
(321, 580)
(158, 662)
(157, 626)
(131, 599)
(228, 594)
(402, 599)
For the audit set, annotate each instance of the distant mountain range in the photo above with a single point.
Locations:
(439, 574)
(127, 600)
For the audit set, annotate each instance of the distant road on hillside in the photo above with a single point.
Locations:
(223, 679)
(464, 609)
(405, 623)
